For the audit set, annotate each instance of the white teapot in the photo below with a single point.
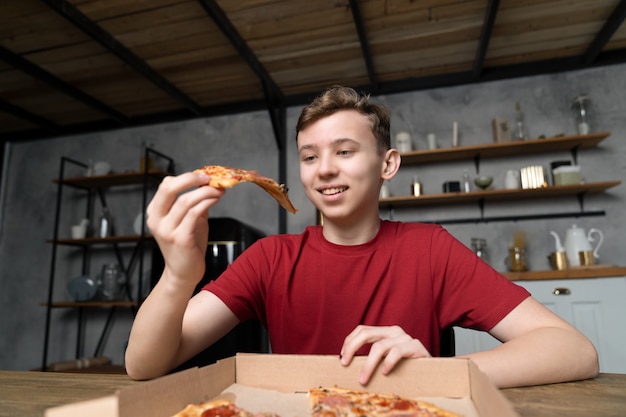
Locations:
(576, 240)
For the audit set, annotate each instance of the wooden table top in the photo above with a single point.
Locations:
(603, 396)
(28, 394)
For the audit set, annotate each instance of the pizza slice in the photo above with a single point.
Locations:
(218, 408)
(227, 177)
(342, 402)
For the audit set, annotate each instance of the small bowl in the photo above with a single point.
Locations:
(483, 181)
(101, 168)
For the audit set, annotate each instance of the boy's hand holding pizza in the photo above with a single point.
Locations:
(177, 218)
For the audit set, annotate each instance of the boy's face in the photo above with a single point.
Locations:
(340, 168)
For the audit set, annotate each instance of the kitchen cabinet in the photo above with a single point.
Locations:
(595, 306)
(89, 188)
(477, 153)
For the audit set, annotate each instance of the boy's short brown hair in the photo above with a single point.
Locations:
(338, 98)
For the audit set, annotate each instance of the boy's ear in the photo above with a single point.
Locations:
(391, 164)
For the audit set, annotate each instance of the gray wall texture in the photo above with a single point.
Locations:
(247, 141)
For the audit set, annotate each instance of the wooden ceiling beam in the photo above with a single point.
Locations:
(95, 32)
(485, 36)
(274, 97)
(363, 40)
(228, 29)
(273, 94)
(42, 75)
(614, 21)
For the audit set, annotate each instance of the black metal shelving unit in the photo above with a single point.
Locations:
(95, 186)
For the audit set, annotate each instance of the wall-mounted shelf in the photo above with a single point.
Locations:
(503, 149)
(90, 304)
(114, 179)
(495, 195)
(572, 143)
(98, 240)
(595, 271)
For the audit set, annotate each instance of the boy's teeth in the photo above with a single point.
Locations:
(329, 191)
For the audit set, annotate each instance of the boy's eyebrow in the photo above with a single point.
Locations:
(306, 147)
(335, 142)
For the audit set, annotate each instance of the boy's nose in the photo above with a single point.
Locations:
(327, 167)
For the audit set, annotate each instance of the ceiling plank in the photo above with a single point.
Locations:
(93, 30)
(365, 48)
(391, 87)
(610, 26)
(37, 72)
(28, 116)
(490, 17)
(231, 33)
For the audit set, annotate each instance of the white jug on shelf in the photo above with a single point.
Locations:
(576, 241)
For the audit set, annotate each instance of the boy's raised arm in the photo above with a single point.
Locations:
(167, 329)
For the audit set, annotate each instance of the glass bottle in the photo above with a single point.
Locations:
(581, 106)
(105, 225)
(479, 246)
(467, 183)
(416, 187)
(519, 133)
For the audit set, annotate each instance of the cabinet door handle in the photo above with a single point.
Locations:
(561, 291)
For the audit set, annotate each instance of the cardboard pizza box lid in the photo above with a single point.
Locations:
(448, 379)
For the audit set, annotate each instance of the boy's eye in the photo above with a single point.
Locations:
(344, 152)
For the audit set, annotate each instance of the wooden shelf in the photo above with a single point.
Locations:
(91, 304)
(88, 241)
(110, 180)
(501, 149)
(596, 271)
(495, 195)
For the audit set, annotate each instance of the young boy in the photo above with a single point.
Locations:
(354, 286)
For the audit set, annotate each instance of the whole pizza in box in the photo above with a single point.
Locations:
(331, 402)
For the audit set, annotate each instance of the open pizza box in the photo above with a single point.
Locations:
(279, 384)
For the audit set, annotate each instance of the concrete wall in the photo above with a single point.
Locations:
(246, 140)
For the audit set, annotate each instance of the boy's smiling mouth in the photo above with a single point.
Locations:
(332, 190)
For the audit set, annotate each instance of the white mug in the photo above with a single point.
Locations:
(384, 191)
(511, 180)
(403, 141)
(79, 231)
(432, 141)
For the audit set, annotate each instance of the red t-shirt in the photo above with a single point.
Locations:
(310, 293)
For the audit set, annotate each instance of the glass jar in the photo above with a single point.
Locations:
(479, 246)
(516, 261)
(403, 141)
(111, 282)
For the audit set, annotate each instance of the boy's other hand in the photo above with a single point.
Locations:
(390, 344)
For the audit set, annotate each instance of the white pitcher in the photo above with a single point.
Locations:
(576, 240)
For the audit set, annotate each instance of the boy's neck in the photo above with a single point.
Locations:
(351, 234)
